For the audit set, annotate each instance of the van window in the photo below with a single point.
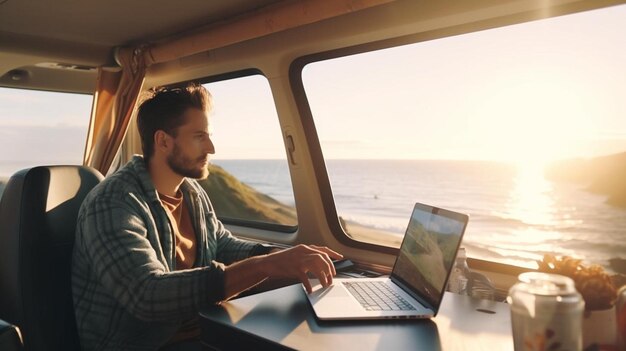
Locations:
(522, 127)
(250, 182)
(41, 128)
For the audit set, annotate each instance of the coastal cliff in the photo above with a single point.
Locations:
(602, 175)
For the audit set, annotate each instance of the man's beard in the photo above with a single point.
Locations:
(186, 167)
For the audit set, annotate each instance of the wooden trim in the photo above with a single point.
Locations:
(274, 18)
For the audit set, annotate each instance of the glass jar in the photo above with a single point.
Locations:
(546, 312)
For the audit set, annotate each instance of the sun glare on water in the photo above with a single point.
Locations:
(531, 201)
(545, 122)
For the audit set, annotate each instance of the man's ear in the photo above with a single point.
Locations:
(162, 141)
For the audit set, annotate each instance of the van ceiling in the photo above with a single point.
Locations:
(115, 22)
(83, 33)
(56, 44)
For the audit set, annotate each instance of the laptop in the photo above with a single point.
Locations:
(418, 279)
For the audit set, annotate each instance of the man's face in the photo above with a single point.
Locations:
(192, 146)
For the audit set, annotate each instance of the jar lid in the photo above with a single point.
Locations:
(547, 283)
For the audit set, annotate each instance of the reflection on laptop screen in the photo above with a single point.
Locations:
(428, 251)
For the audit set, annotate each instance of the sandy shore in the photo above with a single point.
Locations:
(360, 232)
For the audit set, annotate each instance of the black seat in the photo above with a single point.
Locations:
(10, 337)
(38, 214)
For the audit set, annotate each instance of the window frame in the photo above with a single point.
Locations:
(246, 223)
(312, 138)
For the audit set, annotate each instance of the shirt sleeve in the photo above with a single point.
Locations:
(264, 249)
(232, 249)
(114, 235)
(228, 248)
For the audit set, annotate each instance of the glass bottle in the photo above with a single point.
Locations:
(460, 275)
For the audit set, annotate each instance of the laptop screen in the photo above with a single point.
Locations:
(428, 252)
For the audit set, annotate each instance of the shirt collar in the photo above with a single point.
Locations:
(141, 170)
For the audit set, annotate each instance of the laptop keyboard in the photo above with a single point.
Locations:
(377, 296)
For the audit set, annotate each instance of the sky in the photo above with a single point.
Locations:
(539, 91)
(545, 90)
(42, 127)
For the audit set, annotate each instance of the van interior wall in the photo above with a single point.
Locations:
(273, 54)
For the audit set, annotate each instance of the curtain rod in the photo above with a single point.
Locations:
(271, 19)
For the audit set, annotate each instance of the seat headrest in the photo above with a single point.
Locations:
(50, 196)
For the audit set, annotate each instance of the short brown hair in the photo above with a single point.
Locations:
(163, 108)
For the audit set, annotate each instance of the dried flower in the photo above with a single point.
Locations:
(593, 283)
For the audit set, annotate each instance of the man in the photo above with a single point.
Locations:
(149, 250)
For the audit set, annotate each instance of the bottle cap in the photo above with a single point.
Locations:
(461, 253)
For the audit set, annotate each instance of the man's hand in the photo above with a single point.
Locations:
(292, 263)
(297, 261)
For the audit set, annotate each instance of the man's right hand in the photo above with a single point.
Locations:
(299, 260)
(292, 263)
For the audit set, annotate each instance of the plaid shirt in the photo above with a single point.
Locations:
(127, 292)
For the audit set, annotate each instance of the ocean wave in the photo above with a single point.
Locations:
(496, 219)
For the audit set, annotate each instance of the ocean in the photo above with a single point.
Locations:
(516, 214)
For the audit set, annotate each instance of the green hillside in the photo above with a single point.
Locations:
(234, 199)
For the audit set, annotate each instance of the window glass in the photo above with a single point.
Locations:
(521, 127)
(249, 181)
(41, 128)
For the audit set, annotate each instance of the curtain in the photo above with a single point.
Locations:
(113, 105)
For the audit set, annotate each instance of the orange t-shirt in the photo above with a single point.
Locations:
(184, 233)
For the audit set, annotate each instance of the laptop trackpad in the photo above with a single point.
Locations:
(335, 290)
(333, 302)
